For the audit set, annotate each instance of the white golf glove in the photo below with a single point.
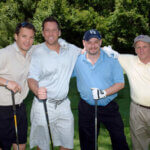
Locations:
(110, 52)
(98, 94)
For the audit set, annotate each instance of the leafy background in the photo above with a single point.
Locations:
(118, 21)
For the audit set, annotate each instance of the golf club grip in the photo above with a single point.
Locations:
(47, 119)
(13, 101)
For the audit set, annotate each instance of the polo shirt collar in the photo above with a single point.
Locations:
(63, 44)
(100, 59)
(139, 62)
(16, 47)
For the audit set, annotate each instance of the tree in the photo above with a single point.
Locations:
(8, 20)
(124, 25)
(118, 21)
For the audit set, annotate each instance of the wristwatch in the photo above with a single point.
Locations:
(6, 83)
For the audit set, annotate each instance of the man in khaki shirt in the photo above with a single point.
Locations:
(14, 66)
(137, 69)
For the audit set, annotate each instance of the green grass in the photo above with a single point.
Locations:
(104, 142)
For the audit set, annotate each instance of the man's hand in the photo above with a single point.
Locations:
(110, 52)
(98, 94)
(13, 86)
(42, 93)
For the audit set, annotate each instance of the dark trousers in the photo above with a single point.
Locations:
(7, 127)
(109, 116)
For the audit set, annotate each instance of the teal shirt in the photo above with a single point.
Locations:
(103, 74)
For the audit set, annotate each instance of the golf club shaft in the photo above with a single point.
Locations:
(95, 124)
(15, 119)
(48, 124)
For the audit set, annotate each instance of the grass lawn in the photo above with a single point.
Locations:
(104, 142)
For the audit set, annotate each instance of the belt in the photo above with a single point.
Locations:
(57, 101)
(10, 106)
(147, 107)
(19, 105)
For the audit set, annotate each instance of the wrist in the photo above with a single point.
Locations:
(6, 83)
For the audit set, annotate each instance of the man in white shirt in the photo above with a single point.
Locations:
(49, 76)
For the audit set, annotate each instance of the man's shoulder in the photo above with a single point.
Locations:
(80, 59)
(108, 58)
(36, 49)
(66, 45)
(7, 49)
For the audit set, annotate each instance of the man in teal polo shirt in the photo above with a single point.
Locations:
(96, 70)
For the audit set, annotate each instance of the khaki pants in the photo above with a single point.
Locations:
(139, 127)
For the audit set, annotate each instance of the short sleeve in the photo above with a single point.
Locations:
(35, 66)
(118, 72)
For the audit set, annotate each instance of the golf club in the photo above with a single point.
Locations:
(95, 124)
(48, 124)
(15, 119)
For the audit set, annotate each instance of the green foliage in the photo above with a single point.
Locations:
(118, 21)
(8, 20)
(56, 8)
(102, 7)
(123, 27)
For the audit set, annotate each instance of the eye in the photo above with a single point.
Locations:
(32, 37)
(24, 36)
(137, 48)
(145, 47)
(96, 42)
(46, 30)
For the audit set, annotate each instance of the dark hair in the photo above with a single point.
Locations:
(24, 25)
(51, 19)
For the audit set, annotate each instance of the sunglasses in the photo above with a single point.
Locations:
(23, 24)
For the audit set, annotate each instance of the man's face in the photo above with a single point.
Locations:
(24, 39)
(51, 33)
(92, 46)
(142, 49)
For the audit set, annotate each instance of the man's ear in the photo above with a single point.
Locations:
(42, 33)
(100, 43)
(15, 37)
(83, 41)
(59, 32)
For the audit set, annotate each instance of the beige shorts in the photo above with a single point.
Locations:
(61, 125)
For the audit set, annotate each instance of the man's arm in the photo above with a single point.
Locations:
(11, 85)
(33, 85)
(98, 93)
(3, 82)
(39, 92)
(110, 52)
(114, 89)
